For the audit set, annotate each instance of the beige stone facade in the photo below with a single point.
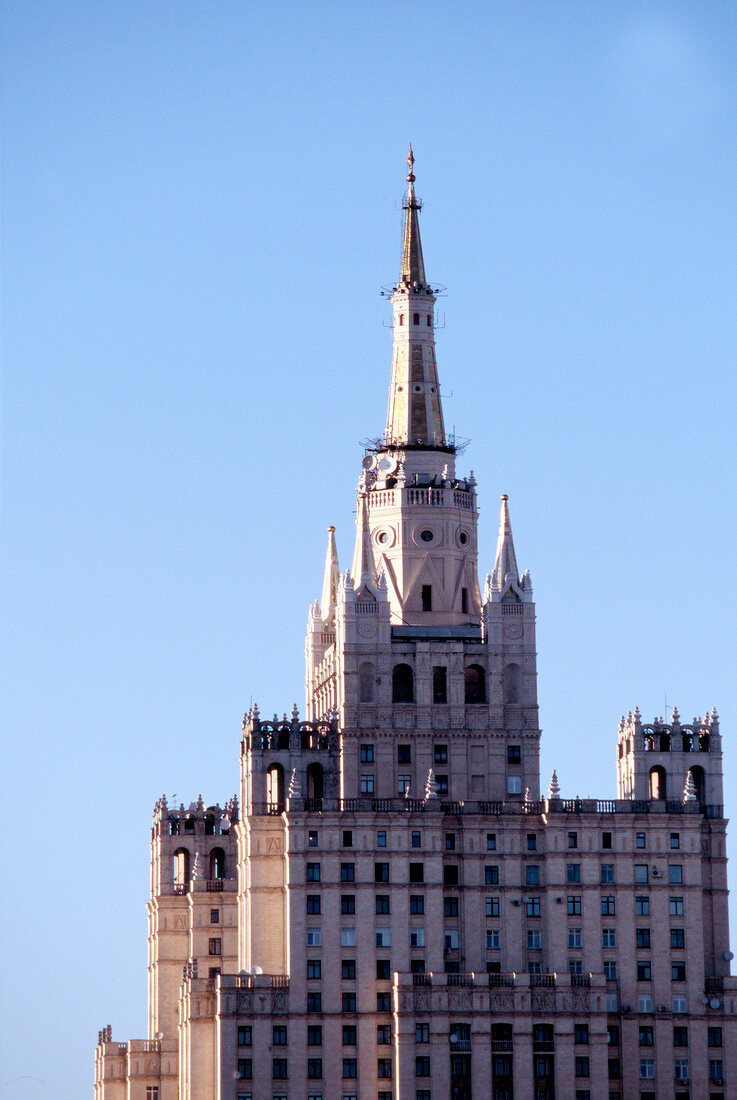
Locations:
(391, 910)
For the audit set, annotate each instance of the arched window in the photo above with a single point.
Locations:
(217, 863)
(283, 742)
(699, 779)
(475, 683)
(403, 690)
(366, 678)
(401, 318)
(429, 320)
(181, 867)
(511, 684)
(657, 783)
(315, 781)
(209, 824)
(275, 785)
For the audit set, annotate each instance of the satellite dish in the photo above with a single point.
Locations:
(368, 462)
(729, 955)
(704, 1000)
(257, 970)
(225, 824)
(387, 464)
(159, 1035)
(714, 1003)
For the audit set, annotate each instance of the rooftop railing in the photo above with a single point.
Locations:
(486, 808)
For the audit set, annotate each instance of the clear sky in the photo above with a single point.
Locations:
(200, 204)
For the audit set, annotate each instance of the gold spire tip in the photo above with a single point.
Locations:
(410, 165)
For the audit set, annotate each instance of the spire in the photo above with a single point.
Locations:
(505, 562)
(330, 581)
(363, 558)
(413, 266)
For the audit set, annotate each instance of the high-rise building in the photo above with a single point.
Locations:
(392, 911)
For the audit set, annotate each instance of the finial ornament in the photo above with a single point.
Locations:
(554, 786)
(689, 791)
(410, 165)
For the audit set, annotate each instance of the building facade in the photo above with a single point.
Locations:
(391, 910)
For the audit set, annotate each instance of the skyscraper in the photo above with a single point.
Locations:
(391, 910)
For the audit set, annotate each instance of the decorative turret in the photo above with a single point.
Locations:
(364, 578)
(330, 580)
(505, 563)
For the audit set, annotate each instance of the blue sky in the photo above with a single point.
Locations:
(201, 202)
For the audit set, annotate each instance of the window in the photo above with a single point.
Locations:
(681, 1069)
(404, 754)
(367, 784)
(417, 937)
(383, 1035)
(382, 903)
(314, 1035)
(347, 838)
(573, 840)
(675, 907)
(245, 1036)
(644, 971)
(440, 684)
(314, 1068)
(492, 907)
(350, 1067)
(348, 1002)
(383, 937)
(575, 938)
(675, 873)
(714, 1036)
(427, 597)
(152, 1092)
(422, 1067)
(646, 1037)
(384, 1067)
(422, 1033)
(312, 839)
(464, 594)
(610, 970)
(614, 1072)
(606, 840)
(647, 1069)
(450, 907)
(492, 939)
(677, 938)
(680, 1036)
(607, 905)
(417, 872)
(314, 969)
(314, 1002)
(514, 785)
(404, 783)
(451, 939)
(642, 937)
(532, 906)
(534, 966)
(641, 873)
(347, 872)
(680, 1003)
(491, 876)
(678, 971)
(575, 966)
(402, 684)
(608, 937)
(381, 839)
(532, 876)
(675, 841)
(381, 872)
(574, 905)
(716, 1071)
(382, 969)
(383, 1002)
(491, 842)
(607, 873)
(279, 1035)
(573, 872)
(582, 1067)
(416, 838)
(450, 874)
(216, 947)
(533, 941)
(442, 782)
(450, 842)
(420, 1094)
(612, 1035)
(348, 970)
(440, 754)
(367, 754)
(642, 907)
(640, 840)
(416, 905)
(514, 754)
(313, 872)
(214, 916)
(347, 937)
(279, 1068)
(244, 1069)
(347, 904)
(314, 937)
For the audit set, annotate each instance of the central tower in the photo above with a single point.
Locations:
(403, 644)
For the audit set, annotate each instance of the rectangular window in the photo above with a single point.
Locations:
(367, 784)
(314, 1035)
(646, 1036)
(575, 966)
(491, 876)
(675, 841)
(677, 938)
(381, 838)
(348, 1002)
(442, 782)
(573, 840)
(348, 970)
(647, 1069)
(245, 1036)
(314, 969)
(314, 1002)
(492, 907)
(681, 1070)
(514, 754)
(532, 842)
(575, 938)
(152, 1092)
(383, 1002)
(675, 873)
(680, 1036)
(347, 904)
(534, 942)
(642, 907)
(417, 937)
(347, 937)
(714, 1036)
(314, 937)
(574, 905)
(450, 842)
(440, 754)
(312, 838)
(716, 1071)
(451, 939)
(641, 875)
(416, 838)
(610, 970)
(644, 972)
(642, 937)
(314, 1068)
(404, 783)
(279, 1068)
(350, 1068)
(678, 971)
(573, 872)
(367, 754)
(608, 937)
(383, 937)
(312, 873)
(382, 970)
(384, 1035)
(464, 601)
(491, 842)
(216, 947)
(347, 872)
(440, 684)
(532, 906)
(675, 907)
(492, 939)
(279, 1035)
(347, 838)
(422, 1033)
(606, 840)
(382, 903)
(384, 1067)
(582, 1067)
(214, 916)
(450, 907)
(404, 754)
(680, 1004)
(427, 597)
(417, 872)
(607, 873)
(450, 874)
(422, 1067)
(416, 905)
(640, 840)
(532, 876)
(244, 1069)
(381, 872)
(608, 905)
